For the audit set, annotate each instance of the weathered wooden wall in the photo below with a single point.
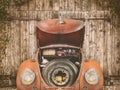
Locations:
(101, 41)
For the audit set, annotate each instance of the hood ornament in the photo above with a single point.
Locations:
(60, 19)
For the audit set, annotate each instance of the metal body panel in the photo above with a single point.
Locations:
(53, 26)
(33, 65)
(87, 64)
(52, 32)
(78, 85)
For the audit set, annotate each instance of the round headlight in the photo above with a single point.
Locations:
(92, 76)
(27, 76)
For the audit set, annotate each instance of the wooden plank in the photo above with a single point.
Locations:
(39, 4)
(115, 49)
(32, 44)
(56, 5)
(75, 5)
(116, 87)
(86, 40)
(32, 40)
(113, 52)
(32, 5)
(23, 40)
(24, 7)
(23, 37)
(8, 88)
(10, 52)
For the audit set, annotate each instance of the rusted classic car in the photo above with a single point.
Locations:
(58, 64)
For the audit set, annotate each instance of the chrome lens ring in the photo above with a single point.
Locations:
(92, 76)
(27, 76)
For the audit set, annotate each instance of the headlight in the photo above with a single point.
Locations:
(92, 76)
(27, 77)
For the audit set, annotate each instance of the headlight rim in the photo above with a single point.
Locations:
(98, 76)
(22, 74)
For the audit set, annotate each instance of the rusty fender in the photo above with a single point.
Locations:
(33, 65)
(88, 64)
(80, 83)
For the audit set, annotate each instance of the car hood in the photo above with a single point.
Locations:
(71, 32)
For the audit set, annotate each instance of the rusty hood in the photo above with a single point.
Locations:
(70, 32)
